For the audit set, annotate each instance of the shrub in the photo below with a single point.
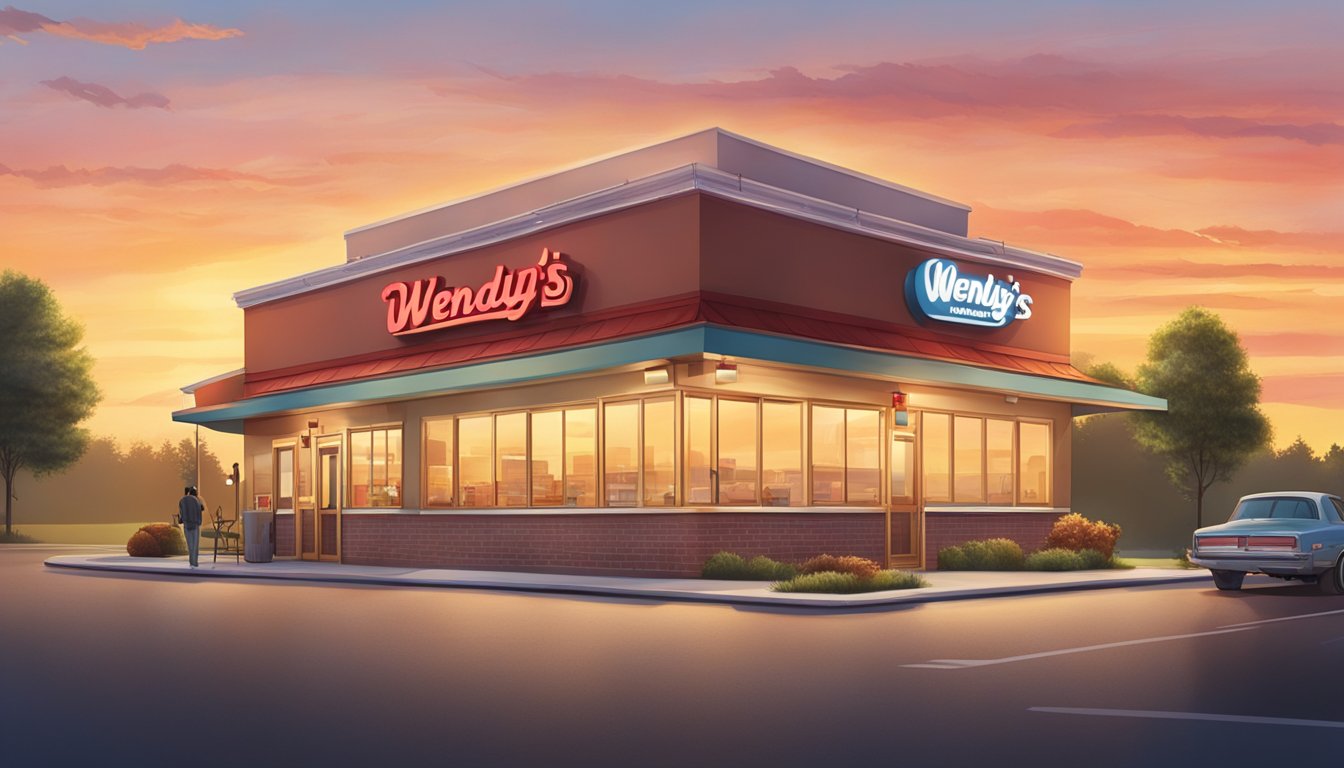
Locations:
(835, 583)
(1075, 532)
(170, 538)
(143, 544)
(1093, 560)
(861, 567)
(1056, 560)
(14, 537)
(982, 555)
(730, 565)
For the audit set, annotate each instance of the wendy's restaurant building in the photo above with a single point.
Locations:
(623, 367)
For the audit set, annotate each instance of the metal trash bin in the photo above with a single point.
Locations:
(257, 546)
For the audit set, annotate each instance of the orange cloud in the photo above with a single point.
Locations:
(14, 21)
(1183, 268)
(61, 176)
(1331, 242)
(1220, 127)
(1319, 390)
(1077, 227)
(103, 96)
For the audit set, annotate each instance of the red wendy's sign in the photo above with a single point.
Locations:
(428, 305)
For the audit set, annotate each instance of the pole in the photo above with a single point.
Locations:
(198, 456)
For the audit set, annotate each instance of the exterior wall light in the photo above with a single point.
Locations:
(898, 402)
(725, 373)
(1010, 399)
(656, 376)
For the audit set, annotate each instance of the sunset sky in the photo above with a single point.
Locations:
(156, 157)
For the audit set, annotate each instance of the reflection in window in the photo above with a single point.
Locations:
(1034, 462)
(828, 455)
(782, 454)
(476, 486)
(737, 452)
(937, 445)
(902, 470)
(621, 440)
(660, 479)
(998, 461)
(696, 439)
(581, 457)
(548, 489)
(284, 491)
(863, 435)
(511, 460)
(263, 493)
(375, 467)
(968, 460)
(438, 458)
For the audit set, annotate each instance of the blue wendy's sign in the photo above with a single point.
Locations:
(937, 290)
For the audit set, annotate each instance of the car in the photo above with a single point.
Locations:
(1284, 534)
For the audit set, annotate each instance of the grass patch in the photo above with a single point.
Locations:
(833, 583)
(14, 537)
(1151, 562)
(732, 566)
(986, 555)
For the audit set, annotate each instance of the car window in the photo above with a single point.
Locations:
(1339, 507)
(1279, 508)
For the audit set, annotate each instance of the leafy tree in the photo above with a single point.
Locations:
(45, 384)
(1212, 424)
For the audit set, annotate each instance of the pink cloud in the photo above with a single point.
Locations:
(1074, 226)
(61, 176)
(1267, 238)
(1322, 390)
(1182, 268)
(1218, 127)
(103, 96)
(1291, 344)
(14, 21)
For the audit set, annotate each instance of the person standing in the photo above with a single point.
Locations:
(190, 511)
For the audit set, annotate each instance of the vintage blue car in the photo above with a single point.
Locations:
(1287, 534)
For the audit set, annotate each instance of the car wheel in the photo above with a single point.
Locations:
(1229, 581)
(1332, 581)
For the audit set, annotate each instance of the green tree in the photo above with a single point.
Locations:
(45, 384)
(1213, 423)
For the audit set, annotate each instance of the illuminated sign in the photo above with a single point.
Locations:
(431, 304)
(937, 290)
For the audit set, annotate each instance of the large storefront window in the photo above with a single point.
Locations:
(438, 459)
(581, 457)
(1034, 461)
(782, 455)
(548, 438)
(620, 469)
(375, 467)
(737, 452)
(476, 486)
(696, 432)
(660, 449)
(846, 466)
(973, 460)
(511, 478)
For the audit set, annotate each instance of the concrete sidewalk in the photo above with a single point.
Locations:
(944, 585)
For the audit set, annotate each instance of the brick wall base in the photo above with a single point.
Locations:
(284, 535)
(946, 529)
(604, 543)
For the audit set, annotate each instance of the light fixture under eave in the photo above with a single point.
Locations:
(1010, 399)
(656, 376)
(725, 373)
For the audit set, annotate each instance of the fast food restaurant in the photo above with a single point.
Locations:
(627, 365)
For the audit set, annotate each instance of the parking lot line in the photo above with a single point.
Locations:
(1283, 618)
(969, 663)
(1160, 715)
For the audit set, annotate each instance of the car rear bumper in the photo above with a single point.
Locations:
(1272, 563)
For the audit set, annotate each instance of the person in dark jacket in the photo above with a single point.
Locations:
(190, 511)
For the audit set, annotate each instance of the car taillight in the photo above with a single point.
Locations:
(1272, 542)
(1218, 541)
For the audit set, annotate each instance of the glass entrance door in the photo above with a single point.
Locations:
(904, 537)
(327, 538)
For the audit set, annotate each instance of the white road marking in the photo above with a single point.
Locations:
(1159, 715)
(968, 663)
(1283, 618)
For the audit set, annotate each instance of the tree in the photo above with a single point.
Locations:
(1212, 424)
(45, 384)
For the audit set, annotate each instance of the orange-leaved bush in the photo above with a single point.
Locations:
(170, 538)
(1075, 532)
(861, 567)
(143, 544)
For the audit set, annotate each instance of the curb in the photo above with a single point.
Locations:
(808, 601)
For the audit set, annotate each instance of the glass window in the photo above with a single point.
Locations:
(782, 454)
(548, 487)
(476, 487)
(660, 477)
(361, 460)
(696, 439)
(968, 459)
(863, 435)
(438, 457)
(262, 492)
(937, 445)
(902, 469)
(284, 492)
(828, 455)
(581, 457)
(620, 437)
(375, 467)
(737, 452)
(511, 460)
(303, 487)
(998, 461)
(1034, 461)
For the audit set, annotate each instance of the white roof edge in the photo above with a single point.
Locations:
(658, 186)
(643, 147)
(191, 388)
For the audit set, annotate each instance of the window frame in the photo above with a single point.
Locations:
(350, 432)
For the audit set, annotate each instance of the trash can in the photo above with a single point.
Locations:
(257, 546)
